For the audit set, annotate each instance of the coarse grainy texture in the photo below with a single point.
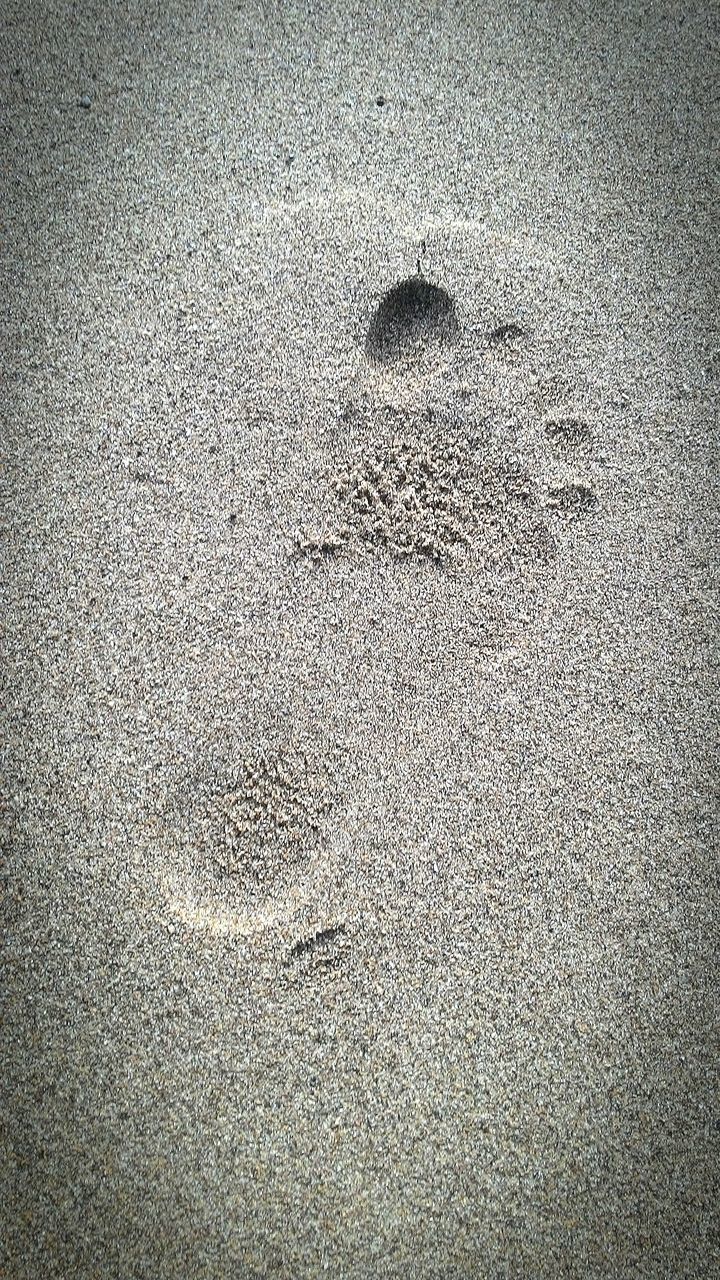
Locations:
(359, 672)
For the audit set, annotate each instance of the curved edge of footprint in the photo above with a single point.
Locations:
(347, 195)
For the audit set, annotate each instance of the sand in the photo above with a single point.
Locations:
(359, 695)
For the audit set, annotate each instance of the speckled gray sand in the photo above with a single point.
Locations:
(500, 1059)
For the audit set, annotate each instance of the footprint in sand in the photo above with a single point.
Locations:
(245, 840)
(417, 484)
(427, 489)
(421, 484)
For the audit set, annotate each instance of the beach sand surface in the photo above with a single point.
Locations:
(359, 664)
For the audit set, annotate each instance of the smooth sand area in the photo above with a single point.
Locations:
(358, 685)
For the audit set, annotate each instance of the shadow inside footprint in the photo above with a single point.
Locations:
(410, 314)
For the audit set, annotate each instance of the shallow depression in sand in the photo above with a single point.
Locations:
(245, 844)
(410, 314)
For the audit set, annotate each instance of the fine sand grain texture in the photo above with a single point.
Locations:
(359, 670)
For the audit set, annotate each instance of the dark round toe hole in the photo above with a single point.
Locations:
(411, 313)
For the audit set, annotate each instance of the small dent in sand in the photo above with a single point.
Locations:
(322, 949)
(409, 315)
(572, 499)
(567, 430)
(504, 334)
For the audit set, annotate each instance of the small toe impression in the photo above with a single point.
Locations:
(411, 314)
(505, 334)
